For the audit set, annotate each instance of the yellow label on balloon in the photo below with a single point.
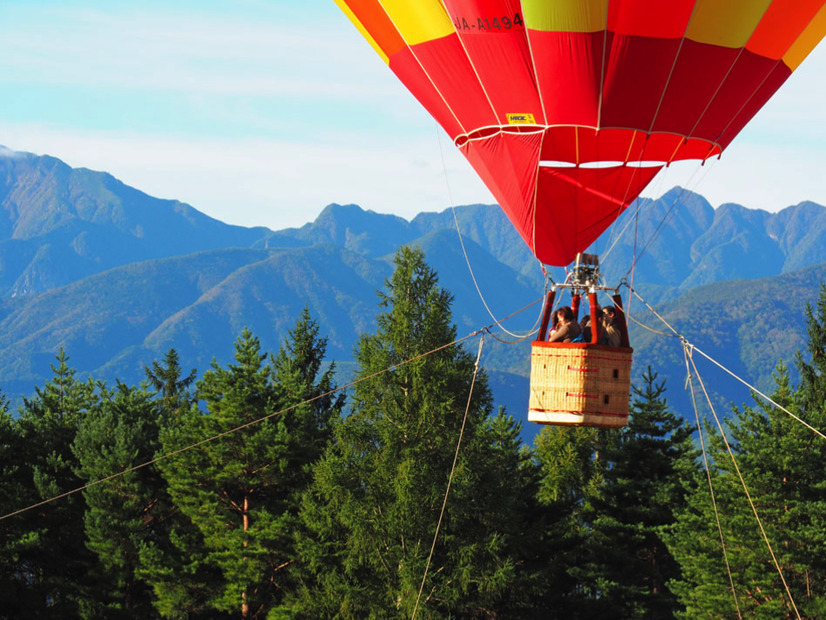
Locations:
(521, 119)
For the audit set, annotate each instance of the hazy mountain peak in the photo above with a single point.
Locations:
(7, 153)
(351, 227)
(59, 224)
(352, 214)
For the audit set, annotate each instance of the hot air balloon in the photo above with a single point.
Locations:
(567, 109)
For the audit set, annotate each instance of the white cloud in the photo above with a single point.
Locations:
(260, 158)
(756, 176)
(255, 182)
(172, 50)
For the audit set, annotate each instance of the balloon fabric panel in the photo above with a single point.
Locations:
(568, 70)
(372, 20)
(746, 107)
(497, 47)
(409, 71)
(449, 69)
(637, 73)
(727, 23)
(783, 23)
(650, 18)
(565, 15)
(507, 163)
(807, 41)
(601, 195)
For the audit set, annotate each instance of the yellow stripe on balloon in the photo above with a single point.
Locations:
(807, 41)
(727, 23)
(352, 17)
(565, 15)
(419, 21)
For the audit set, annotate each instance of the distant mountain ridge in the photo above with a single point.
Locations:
(59, 224)
(700, 245)
(117, 277)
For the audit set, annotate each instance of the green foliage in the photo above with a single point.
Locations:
(239, 490)
(49, 563)
(781, 463)
(118, 433)
(14, 495)
(373, 510)
(645, 465)
(609, 498)
(267, 503)
(171, 386)
(571, 474)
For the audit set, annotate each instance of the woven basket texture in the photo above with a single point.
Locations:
(579, 384)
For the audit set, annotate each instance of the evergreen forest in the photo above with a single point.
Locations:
(263, 489)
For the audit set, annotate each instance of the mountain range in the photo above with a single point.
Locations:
(117, 277)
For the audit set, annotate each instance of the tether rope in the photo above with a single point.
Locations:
(676, 334)
(761, 394)
(745, 487)
(652, 330)
(688, 350)
(708, 476)
(654, 312)
(467, 258)
(258, 420)
(450, 478)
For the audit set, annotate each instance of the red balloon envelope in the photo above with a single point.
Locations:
(567, 109)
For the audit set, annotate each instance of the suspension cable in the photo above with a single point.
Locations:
(604, 255)
(241, 427)
(654, 312)
(464, 251)
(636, 256)
(450, 477)
(688, 350)
(745, 489)
(676, 334)
(761, 394)
(686, 354)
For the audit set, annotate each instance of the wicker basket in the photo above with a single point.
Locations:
(579, 384)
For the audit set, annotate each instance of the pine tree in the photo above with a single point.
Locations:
(53, 565)
(781, 462)
(643, 486)
(171, 386)
(171, 560)
(763, 444)
(14, 495)
(310, 394)
(374, 508)
(239, 490)
(571, 473)
(120, 432)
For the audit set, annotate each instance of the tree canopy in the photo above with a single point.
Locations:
(256, 489)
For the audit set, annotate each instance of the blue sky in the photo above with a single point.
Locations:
(262, 112)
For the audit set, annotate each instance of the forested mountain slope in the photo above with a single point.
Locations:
(117, 277)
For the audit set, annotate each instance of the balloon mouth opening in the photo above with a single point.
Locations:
(644, 150)
(596, 165)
